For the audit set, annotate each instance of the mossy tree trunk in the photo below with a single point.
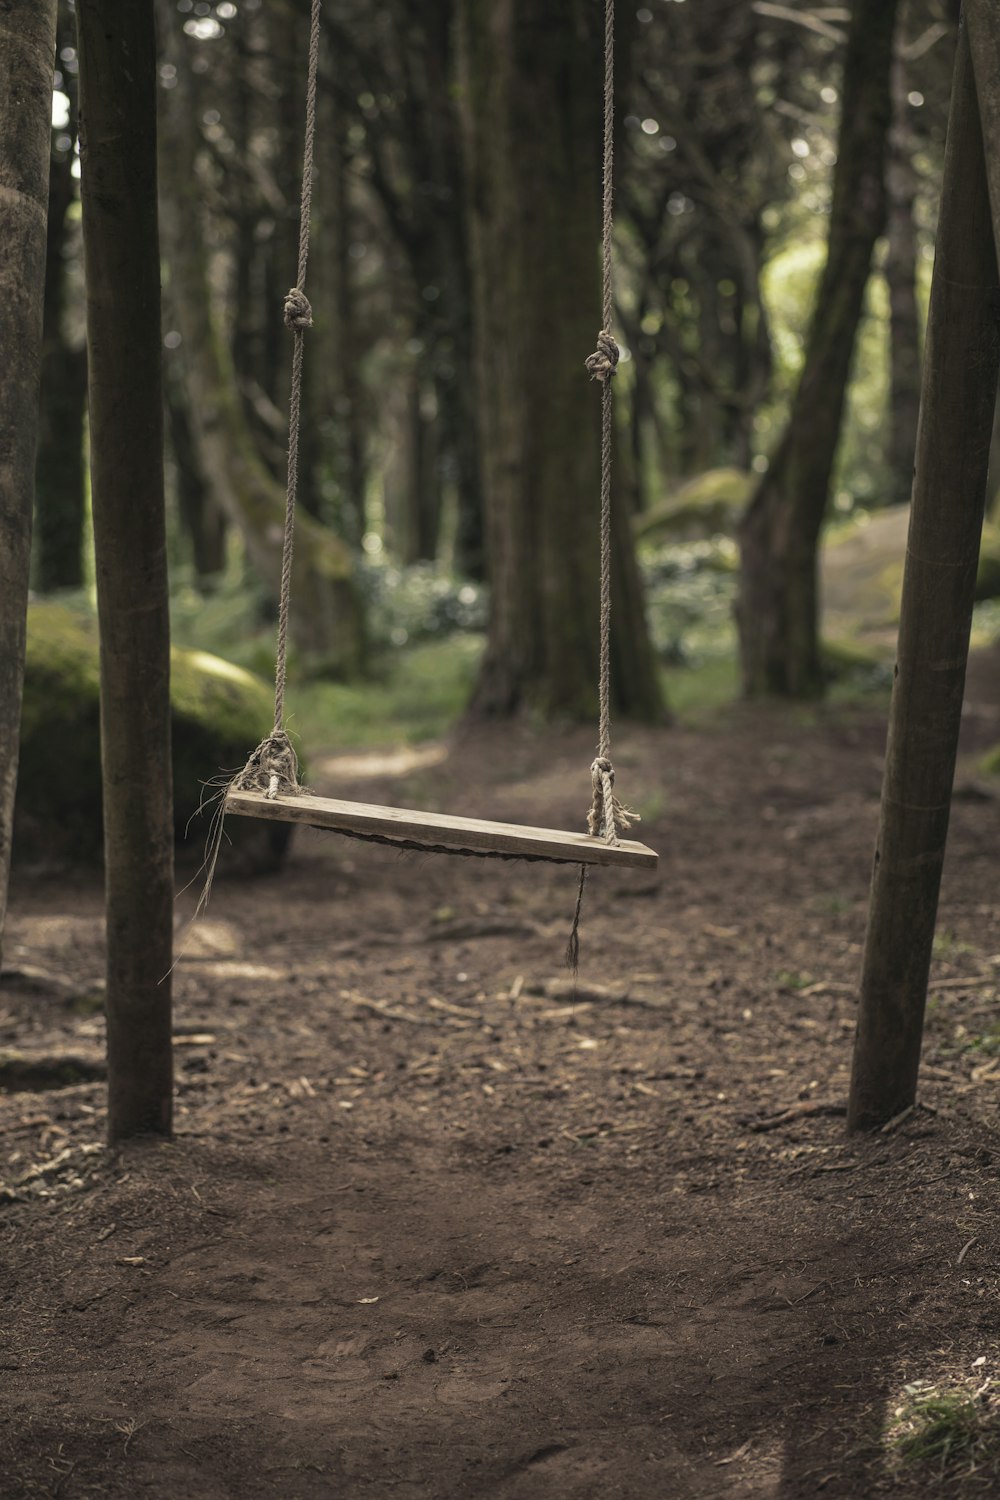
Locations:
(956, 416)
(531, 115)
(117, 50)
(778, 605)
(27, 54)
(59, 473)
(326, 613)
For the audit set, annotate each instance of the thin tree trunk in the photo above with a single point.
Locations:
(901, 280)
(118, 82)
(531, 96)
(778, 606)
(27, 53)
(956, 417)
(60, 494)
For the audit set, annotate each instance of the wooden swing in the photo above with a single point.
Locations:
(268, 786)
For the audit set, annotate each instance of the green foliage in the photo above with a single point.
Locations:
(420, 693)
(988, 571)
(790, 281)
(424, 602)
(952, 1431)
(220, 712)
(690, 589)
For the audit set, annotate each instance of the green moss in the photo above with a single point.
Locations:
(707, 505)
(219, 713)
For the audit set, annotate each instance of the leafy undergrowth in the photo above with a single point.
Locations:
(948, 1431)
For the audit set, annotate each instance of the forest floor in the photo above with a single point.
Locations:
(434, 1226)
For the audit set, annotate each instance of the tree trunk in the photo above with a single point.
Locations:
(956, 416)
(60, 494)
(901, 280)
(326, 617)
(777, 611)
(203, 522)
(530, 96)
(118, 81)
(27, 53)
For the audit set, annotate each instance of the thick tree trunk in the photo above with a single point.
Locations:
(27, 53)
(326, 616)
(901, 280)
(777, 611)
(60, 493)
(956, 416)
(118, 76)
(530, 95)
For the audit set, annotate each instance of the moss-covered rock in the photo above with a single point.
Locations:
(220, 712)
(710, 504)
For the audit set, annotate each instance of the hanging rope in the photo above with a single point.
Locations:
(607, 816)
(273, 767)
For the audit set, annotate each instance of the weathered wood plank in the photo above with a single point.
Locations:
(407, 825)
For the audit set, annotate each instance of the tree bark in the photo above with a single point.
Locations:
(956, 417)
(778, 606)
(530, 100)
(60, 495)
(901, 280)
(27, 53)
(117, 49)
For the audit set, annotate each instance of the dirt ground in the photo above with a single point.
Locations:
(433, 1226)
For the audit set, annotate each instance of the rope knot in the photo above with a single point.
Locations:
(604, 360)
(608, 816)
(272, 768)
(298, 313)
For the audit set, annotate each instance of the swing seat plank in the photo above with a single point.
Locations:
(407, 826)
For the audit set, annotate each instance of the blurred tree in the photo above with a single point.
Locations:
(27, 53)
(777, 612)
(395, 71)
(60, 496)
(117, 49)
(704, 157)
(531, 113)
(326, 617)
(902, 186)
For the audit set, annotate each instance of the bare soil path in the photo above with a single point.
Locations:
(435, 1226)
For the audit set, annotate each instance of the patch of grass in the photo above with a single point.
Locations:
(951, 1430)
(947, 946)
(421, 692)
(790, 979)
(697, 692)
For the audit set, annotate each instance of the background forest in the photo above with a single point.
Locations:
(448, 552)
(344, 1185)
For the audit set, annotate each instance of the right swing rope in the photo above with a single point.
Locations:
(608, 816)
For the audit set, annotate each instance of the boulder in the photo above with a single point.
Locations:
(707, 505)
(219, 713)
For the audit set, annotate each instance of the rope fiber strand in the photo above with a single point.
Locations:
(607, 816)
(272, 768)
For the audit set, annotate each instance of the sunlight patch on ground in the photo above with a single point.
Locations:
(234, 969)
(382, 763)
(211, 937)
